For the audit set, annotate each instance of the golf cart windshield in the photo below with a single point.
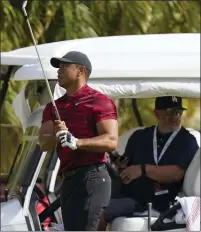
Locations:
(27, 107)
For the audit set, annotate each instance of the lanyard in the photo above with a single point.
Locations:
(173, 135)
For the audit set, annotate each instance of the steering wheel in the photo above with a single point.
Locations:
(160, 225)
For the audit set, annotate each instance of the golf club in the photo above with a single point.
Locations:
(46, 80)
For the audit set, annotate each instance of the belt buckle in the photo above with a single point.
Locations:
(73, 173)
(69, 173)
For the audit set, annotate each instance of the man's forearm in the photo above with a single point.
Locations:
(47, 142)
(102, 143)
(164, 174)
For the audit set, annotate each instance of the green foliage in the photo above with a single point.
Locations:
(53, 21)
(127, 120)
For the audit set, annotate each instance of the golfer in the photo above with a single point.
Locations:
(87, 131)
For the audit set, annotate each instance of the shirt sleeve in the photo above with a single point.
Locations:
(48, 113)
(130, 147)
(104, 108)
(187, 154)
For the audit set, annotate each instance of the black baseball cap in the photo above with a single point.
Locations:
(166, 102)
(73, 57)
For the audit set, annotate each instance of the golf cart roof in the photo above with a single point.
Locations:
(126, 51)
(124, 66)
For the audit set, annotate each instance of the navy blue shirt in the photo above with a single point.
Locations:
(139, 150)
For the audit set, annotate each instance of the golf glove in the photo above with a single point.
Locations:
(67, 139)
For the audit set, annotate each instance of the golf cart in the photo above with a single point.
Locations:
(142, 66)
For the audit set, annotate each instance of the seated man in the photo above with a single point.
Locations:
(155, 162)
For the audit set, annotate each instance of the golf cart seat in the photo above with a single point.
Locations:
(123, 139)
(196, 134)
(191, 187)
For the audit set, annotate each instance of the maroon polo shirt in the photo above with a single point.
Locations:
(81, 112)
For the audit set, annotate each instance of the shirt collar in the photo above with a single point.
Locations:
(166, 135)
(81, 92)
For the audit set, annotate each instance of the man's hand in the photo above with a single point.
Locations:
(121, 162)
(65, 137)
(130, 173)
(68, 140)
(60, 128)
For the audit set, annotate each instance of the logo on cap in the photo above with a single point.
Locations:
(174, 99)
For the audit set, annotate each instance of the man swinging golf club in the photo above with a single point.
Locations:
(88, 129)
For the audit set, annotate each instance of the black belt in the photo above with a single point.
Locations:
(99, 167)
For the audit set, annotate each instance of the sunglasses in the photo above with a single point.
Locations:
(171, 112)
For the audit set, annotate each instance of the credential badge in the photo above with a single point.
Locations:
(174, 99)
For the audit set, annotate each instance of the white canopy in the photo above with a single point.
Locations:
(124, 66)
(142, 89)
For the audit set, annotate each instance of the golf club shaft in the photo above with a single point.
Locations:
(46, 80)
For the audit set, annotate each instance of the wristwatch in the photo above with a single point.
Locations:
(143, 170)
